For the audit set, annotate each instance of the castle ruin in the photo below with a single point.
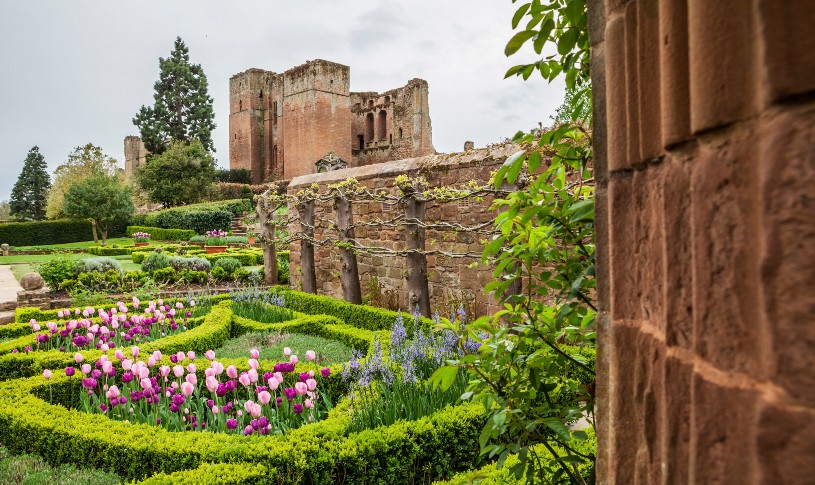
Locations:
(282, 125)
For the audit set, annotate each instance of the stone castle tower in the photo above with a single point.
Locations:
(281, 125)
(135, 155)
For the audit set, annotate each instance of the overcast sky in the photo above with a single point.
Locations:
(77, 71)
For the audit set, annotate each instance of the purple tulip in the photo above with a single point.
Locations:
(127, 377)
(297, 408)
(290, 393)
(247, 430)
(231, 423)
(96, 373)
(304, 376)
(325, 371)
(103, 407)
(179, 399)
(69, 371)
(89, 383)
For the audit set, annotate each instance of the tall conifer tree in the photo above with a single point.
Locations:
(182, 109)
(29, 195)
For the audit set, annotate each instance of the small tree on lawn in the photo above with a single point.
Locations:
(28, 197)
(178, 176)
(85, 161)
(103, 200)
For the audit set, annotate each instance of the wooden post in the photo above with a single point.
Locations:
(418, 290)
(306, 210)
(349, 273)
(266, 212)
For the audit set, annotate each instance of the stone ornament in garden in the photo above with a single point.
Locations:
(32, 281)
(4, 247)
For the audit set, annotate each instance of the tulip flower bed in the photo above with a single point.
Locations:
(252, 429)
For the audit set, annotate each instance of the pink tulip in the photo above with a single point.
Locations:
(244, 379)
(191, 355)
(145, 383)
(293, 359)
(279, 377)
(209, 372)
(151, 361)
(191, 368)
(36, 327)
(46, 373)
(254, 353)
(119, 354)
(104, 347)
(308, 403)
(253, 364)
(180, 356)
(248, 405)
(134, 351)
(178, 371)
(144, 371)
(311, 373)
(127, 364)
(212, 383)
(209, 354)
(273, 384)
(253, 375)
(232, 372)
(60, 314)
(187, 388)
(286, 351)
(312, 384)
(86, 368)
(113, 392)
(179, 305)
(219, 368)
(301, 388)
(215, 410)
(256, 410)
(264, 397)
(310, 355)
(164, 370)
(107, 366)
(78, 357)
(157, 355)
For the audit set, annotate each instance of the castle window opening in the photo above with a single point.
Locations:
(383, 126)
(387, 99)
(369, 127)
(390, 140)
(361, 140)
(261, 94)
(240, 105)
(400, 133)
(370, 103)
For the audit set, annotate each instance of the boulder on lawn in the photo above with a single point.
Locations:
(32, 281)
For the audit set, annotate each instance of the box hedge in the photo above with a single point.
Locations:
(162, 234)
(215, 474)
(40, 233)
(109, 251)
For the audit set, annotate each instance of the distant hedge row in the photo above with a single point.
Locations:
(197, 217)
(42, 233)
(161, 234)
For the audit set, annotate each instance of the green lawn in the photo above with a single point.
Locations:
(33, 470)
(121, 241)
(39, 258)
(271, 344)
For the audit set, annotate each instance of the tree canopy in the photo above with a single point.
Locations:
(182, 109)
(102, 199)
(180, 175)
(28, 197)
(85, 161)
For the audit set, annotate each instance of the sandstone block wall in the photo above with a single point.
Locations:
(704, 136)
(449, 278)
(135, 155)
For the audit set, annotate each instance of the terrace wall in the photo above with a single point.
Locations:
(704, 132)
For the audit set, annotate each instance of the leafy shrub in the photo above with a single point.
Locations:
(91, 280)
(257, 276)
(165, 275)
(201, 222)
(198, 238)
(194, 277)
(180, 263)
(155, 261)
(162, 234)
(57, 270)
(68, 284)
(234, 175)
(247, 257)
(241, 275)
(228, 264)
(51, 232)
(218, 273)
(283, 271)
(108, 251)
(99, 265)
(237, 240)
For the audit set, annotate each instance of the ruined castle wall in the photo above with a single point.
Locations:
(704, 131)
(316, 115)
(135, 155)
(451, 279)
(251, 129)
(406, 132)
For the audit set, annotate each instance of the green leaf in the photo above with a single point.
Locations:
(514, 70)
(443, 377)
(518, 40)
(558, 427)
(534, 161)
(566, 42)
(519, 14)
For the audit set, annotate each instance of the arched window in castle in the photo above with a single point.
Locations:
(369, 127)
(382, 123)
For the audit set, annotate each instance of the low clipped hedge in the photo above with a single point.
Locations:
(41, 233)
(215, 474)
(360, 316)
(108, 251)
(162, 234)
(197, 217)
